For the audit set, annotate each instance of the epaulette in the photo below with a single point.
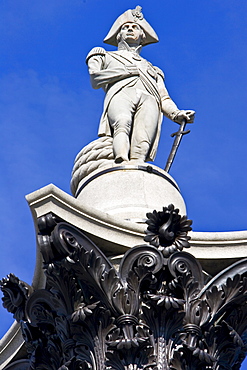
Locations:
(98, 50)
(159, 72)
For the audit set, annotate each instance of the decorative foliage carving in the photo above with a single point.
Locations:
(15, 296)
(156, 313)
(167, 230)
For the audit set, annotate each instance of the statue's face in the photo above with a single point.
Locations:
(131, 33)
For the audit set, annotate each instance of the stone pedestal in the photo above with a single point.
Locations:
(129, 191)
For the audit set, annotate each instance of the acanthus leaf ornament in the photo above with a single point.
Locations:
(155, 313)
(16, 293)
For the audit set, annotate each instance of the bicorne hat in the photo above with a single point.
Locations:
(136, 16)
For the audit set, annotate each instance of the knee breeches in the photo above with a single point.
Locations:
(135, 113)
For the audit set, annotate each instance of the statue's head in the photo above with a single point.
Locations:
(130, 25)
(131, 33)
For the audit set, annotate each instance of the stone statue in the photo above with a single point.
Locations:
(135, 91)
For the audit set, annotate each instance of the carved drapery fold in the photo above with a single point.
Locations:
(155, 313)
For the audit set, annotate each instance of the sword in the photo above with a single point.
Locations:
(179, 134)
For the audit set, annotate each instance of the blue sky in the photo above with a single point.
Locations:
(48, 110)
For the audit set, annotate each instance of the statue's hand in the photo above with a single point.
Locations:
(132, 69)
(189, 115)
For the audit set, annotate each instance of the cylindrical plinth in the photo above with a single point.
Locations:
(130, 191)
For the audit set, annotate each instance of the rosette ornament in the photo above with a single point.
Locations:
(167, 230)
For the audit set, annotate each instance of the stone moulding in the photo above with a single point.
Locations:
(124, 234)
(10, 345)
(156, 312)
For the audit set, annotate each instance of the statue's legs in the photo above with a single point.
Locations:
(133, 113)
(144, 128)
(120, 114)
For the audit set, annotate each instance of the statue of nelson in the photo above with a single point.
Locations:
(135, 91)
